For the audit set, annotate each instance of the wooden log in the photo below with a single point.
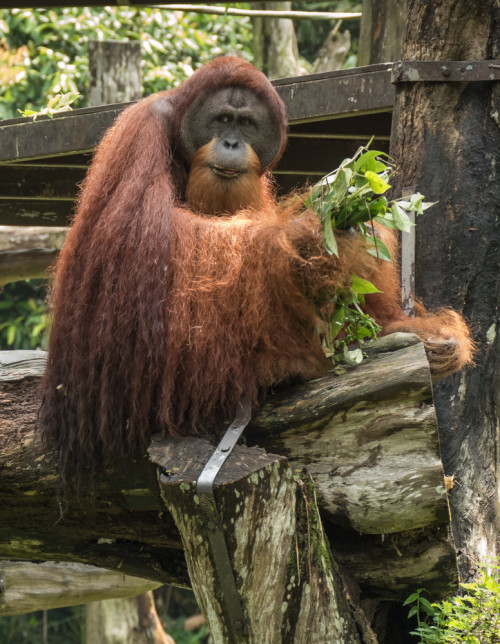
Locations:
(289, 586)
(26, 586)
(126, 529)
(369, 439)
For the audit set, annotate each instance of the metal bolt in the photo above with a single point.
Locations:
(446, 71)
(211, 525)
(238, 625)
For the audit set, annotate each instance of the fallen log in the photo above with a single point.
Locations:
(379, 483)
(28, 252)
(27, 586)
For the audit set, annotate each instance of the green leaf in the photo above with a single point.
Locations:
(337, 321)
(341, 184)
(329, 238)
(377, 183)
(11, 334)
(426, 606)
(416, 201)
(378, 249)
(353, 356)
(413, 611)
(369, 161)
(378, 207)
(400, 218)
(360, 286)
(386, 221)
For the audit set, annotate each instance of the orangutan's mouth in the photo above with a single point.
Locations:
(226, 173)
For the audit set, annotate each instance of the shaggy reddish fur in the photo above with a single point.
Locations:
(164, 316)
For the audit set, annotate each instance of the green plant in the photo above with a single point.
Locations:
(58, 103)
(470, 618)
(353, 197)
(44, 52)
(24, 320)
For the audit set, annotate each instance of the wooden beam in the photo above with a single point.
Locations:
(35, 212)
(70, 132)
(41, 182)
(349, 91)
(318, 96)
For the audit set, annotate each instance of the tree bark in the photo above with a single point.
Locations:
(114, 72)
(133, 620)
(289, 585)
(333, 52)
(386, 404)
(382, 31)
(275, 44)
(446, 143)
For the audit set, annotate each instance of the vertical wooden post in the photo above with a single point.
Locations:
(114, 72)
(289, 585)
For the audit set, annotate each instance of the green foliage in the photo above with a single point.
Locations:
(24, 320)
(352, 198)
(43, 52)
(471, 618)
(347, 327)
(58, 103)
(64, 626)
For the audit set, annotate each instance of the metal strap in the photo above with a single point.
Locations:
(208, 507)
(455, 71)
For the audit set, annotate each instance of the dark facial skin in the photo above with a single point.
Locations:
(233, 118)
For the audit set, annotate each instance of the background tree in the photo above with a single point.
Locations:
(452, 130)
(45, 52)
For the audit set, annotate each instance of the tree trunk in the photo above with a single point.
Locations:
(333, 52)
(133, 620)
(382, 31)
(275, 44)
(446, 143)
(289, 585)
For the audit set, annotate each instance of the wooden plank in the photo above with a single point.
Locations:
(438, 71)
(70, 132)
(317, 96)
(323, 96)
(318, 156)
(46, 183)
(35, 212)
(352, 126)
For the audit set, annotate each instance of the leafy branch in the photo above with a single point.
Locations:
(353, 197)
(58, 103)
